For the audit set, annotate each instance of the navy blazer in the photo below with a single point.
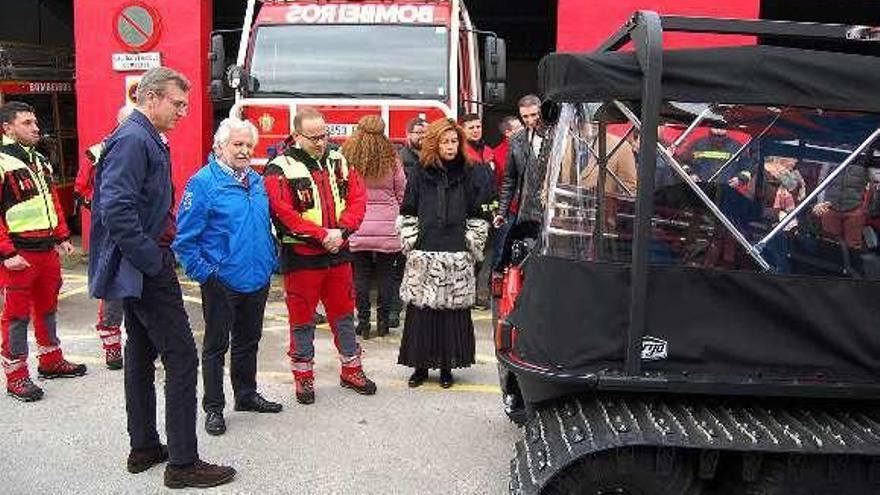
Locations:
(130, 209)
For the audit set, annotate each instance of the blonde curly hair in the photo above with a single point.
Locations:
(369, 151)
(430, 153)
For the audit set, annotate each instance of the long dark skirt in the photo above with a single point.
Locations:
(434, 338)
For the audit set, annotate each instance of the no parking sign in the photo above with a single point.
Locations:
(137, 26)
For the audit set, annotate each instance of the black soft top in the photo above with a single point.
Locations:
(758, 75)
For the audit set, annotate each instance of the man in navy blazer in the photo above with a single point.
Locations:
(130, 258)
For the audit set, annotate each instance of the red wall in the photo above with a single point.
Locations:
(100, 91)
(583, 25)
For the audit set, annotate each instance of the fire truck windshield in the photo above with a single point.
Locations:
(351, 60)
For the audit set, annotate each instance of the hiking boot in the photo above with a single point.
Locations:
(305, 390)
(62, 369)
(113, 358)
(357, 381)
(198, 475)
(214, 423)
(139, 460)
(24, 390)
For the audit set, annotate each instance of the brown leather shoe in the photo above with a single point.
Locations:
(198, 475)
(140, 460)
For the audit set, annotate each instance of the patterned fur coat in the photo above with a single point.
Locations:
(443, 228)
(439, 279)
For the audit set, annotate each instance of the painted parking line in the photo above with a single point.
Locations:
(287, 377)
(73, 292)
(476, 388)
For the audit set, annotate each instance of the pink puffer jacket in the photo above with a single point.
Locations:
(377, 232)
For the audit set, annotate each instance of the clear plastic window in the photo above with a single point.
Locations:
(789, 190)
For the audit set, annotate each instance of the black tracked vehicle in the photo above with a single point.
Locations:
(714, 327)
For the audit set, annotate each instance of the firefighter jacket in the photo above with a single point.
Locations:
(84, 185)
(32, 218)
(308, 196)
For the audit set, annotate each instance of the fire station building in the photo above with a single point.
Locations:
(78, 61)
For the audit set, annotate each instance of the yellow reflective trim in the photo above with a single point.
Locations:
(96, 150)
(36, 213)
(712, 155)
(294, 169)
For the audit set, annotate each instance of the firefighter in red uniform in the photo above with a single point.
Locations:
(317, 201)
(109, 310)
(31, 226)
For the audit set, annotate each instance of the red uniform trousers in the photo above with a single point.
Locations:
(335, 288)
(109, 323)
(30, 292)
(845, 225)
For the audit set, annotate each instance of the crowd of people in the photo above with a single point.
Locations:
(416, 223)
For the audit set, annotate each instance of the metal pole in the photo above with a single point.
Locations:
(697, 121)
(601, 162)
(743, 148)
(647, 37)
(700, 193)
(760, 245)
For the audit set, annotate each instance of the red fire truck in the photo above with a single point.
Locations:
(43, 77)
(397, 59)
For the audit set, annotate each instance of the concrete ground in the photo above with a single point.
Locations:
(401, 441)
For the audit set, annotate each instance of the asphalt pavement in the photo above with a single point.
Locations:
(401, 441)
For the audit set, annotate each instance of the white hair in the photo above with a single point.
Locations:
(230, 124)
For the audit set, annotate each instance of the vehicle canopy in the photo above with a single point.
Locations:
(726, 270)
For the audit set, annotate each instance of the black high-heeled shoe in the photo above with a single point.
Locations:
(446, 379)
(418, 377)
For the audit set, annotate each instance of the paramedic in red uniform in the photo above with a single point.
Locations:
(317, 202)
(32, 226)
(109, 310)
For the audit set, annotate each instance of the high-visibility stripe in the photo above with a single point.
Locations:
(294, 169)
(36, 213)
(712, 155)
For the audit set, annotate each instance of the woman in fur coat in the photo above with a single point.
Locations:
(444, 222)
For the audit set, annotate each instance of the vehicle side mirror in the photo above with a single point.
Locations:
(495, 59)
(494, 92)
(217, 90)
(217, 56)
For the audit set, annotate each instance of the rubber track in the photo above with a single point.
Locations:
(564, 432)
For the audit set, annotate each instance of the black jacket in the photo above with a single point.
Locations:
(847, 191)
(523, 179)
(410, 159)
(443, 199)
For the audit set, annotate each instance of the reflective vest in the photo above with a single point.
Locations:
(30, 205)
(306, 193)
(94, 152)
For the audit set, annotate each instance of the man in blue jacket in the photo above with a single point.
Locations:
(130, 258)
(224, 242)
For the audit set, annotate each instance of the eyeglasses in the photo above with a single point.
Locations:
(315, 139)
(179, 105)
